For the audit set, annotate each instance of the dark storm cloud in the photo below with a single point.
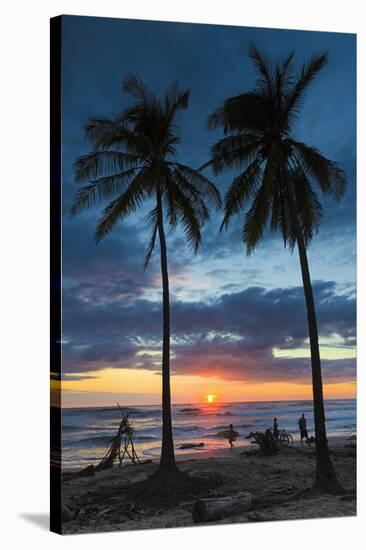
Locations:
(232, 336)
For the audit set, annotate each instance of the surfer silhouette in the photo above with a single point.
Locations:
(232, 436)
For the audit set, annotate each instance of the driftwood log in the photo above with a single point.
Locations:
(213, 509)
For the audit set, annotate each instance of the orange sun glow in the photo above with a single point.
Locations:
(211, 398)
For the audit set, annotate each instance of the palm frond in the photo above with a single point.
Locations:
(307, 74)
(327, 173)
(101, 189)
(263, 67)
(245, 113)
(282, 82)
(201, 183)
(95, 164)
(153, 220)
(189, 216)
(286, 64)
(216, 119)
(168, 194)
(172, 211)
(310, 210)
(170, 143)
(124, 205)
(234, 151)
(243, 188)
(175, 100)
(103, 132)
(197, 199)
(257, 215)
(138, 89)
(281, 218)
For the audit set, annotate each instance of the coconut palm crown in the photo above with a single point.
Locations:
(133, 160)
(258, 143)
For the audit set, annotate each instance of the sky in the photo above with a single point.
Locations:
(239, 328)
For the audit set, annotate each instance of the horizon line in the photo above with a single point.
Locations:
(203, 403)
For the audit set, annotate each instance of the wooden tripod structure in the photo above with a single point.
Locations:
(124, 438)
(127, 434)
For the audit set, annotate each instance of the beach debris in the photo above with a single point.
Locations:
(85, 472)
(266, 441)
(191, 445)
(88, 471)
(124, 509)
(258, 516)
(124, 435)
(69, 512)
(213, 509)
(249, 453)
(124, 438)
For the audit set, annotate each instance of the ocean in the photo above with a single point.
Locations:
(87, 432)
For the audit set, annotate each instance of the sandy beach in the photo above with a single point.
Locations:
(99, 502)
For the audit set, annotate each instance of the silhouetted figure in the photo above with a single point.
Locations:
(303, 428)
(232, 436)
(276, 432)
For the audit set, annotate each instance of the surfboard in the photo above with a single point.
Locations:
(229, 434)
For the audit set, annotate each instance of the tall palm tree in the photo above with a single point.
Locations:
(279, 181)
(133, 160)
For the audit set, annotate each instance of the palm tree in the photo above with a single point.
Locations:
(278, 182)
(133, 160)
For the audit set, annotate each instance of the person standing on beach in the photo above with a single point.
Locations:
(232, 436)
(303, 428)
(276, 432)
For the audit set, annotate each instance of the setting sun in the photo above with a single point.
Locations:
(211, 398)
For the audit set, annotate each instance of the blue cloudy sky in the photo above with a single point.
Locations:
(234, 318)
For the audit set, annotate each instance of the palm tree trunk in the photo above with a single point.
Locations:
(167, 458)
(325, 476)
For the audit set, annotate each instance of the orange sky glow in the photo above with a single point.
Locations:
(139, 387)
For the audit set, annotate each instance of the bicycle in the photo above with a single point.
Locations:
(285, 439)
